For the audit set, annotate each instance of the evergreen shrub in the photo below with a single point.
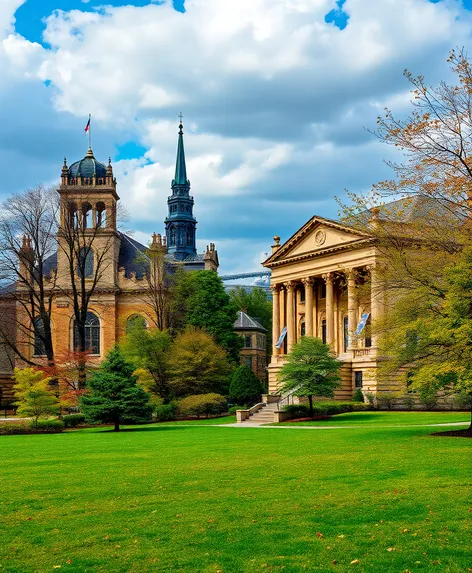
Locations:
(358, 396)
(326, 408)
(233, 409)
(202, 405)
(165, 412)
(73, 420)
(47, 426)
(245, 387)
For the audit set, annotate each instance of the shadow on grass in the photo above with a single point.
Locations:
(159, 428)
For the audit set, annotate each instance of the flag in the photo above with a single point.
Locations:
(362, 323)
(281, 337)
(87, 127)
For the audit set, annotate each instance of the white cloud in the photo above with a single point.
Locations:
(275, 100)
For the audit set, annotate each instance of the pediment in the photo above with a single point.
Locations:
(316, 236)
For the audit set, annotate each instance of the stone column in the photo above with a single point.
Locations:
(328, 278)
(291, 335)
(351, 307)
(375, 301)
(275, 318)
(308, 284)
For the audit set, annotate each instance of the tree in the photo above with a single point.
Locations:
(310, 370)
(27, 245)
(255, 303)
(203, 303)
(35, 396)
(149, 349)
(198, 365)
(245, 386)
(114, 395)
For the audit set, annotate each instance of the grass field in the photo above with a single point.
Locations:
(171, 498)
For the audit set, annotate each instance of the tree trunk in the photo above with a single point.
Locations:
(117, 426)
(310, 399)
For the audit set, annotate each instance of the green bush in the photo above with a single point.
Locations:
(73, 420)
(358, 396)
(47, 426)
(408, 400)
(11, 428)
(202, 404)
(326, 408)
(370, 398)
(165, 412)
(387, 400)
(233, 409)
(463, 400)
(245, 387)
(428, 398)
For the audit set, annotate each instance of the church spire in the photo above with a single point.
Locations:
(180, 167)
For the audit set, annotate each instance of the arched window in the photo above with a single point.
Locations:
(302, 329)
(135, 322)
(189, 238)
(101, 214)
(87, 215)
(92, 334)
(86, 262)
(172, 236)
(39, 348)
(73, 216)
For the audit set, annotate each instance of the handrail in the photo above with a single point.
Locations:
(285, 399)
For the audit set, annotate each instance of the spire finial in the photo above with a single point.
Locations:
(181, 125)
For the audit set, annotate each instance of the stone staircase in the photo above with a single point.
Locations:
(264, 416)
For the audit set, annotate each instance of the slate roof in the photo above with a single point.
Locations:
(246, 322)
(87, 167)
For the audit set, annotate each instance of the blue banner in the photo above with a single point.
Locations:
(362, 323)
(280, 341)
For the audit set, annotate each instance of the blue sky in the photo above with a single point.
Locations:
(276, 96)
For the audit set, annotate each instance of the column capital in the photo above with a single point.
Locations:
(351, 274)
(275, 288)
(328, 277)
(290, 286)
(371, 267)
(308, 281)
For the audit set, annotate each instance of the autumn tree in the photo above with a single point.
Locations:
(149, 349)
(310, 370)
(27, 250)
(35, 396)
(198, 365)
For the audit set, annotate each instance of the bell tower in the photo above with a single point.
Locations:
(180, 223)
(88, 206)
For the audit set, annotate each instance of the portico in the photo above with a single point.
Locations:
(323, 281)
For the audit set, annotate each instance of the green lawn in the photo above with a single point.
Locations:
(171, 498)
(387, 419)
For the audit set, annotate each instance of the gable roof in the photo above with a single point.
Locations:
(246, 322)
(358, 236)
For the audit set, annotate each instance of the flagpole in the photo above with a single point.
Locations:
(90, 131)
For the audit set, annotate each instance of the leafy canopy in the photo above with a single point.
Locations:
(35, 397)
(310, 370)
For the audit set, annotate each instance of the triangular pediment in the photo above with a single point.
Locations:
(318, 235)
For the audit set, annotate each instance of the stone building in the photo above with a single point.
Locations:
(254, 351)
(316, 278)
(89, 199)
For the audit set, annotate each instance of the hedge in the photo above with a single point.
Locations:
(73, 420)
(25, 427)
(326, 408)
(202, 404)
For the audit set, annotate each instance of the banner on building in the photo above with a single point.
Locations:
(282, 336)
(362, 323)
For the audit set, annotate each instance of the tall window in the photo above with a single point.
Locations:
(248, 341)
(323, 290)
(346, 332)
(101, 215)
(323, 331)
(302, 294)
(39, 348)
(368, 335)
(358, 381)
(302, 329)
(92, 334)
(248, 361)
(87, 215)
(172, 236)
(86, 263)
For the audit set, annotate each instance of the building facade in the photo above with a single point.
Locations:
(324, 284)
(254, 351)
(89, 202)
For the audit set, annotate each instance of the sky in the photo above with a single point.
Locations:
(278, 98)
